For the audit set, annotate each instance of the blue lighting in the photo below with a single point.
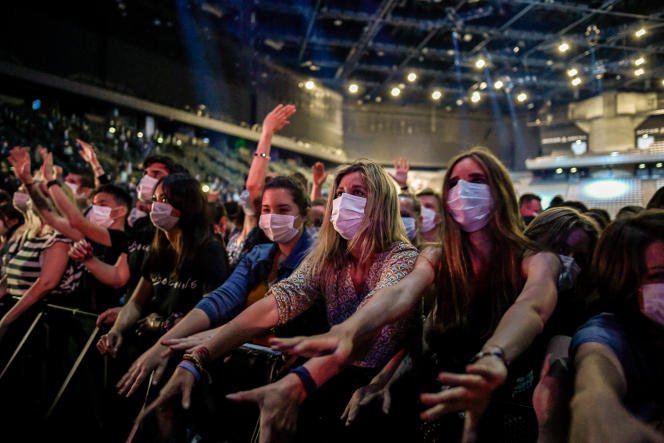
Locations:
(36, 105)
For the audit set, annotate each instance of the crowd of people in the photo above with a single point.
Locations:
(360, 312)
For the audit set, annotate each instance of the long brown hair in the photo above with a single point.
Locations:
(457, 279)
(380, 228)
(619, 260)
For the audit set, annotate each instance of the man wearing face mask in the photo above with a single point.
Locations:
(431, 215)
(410, 209)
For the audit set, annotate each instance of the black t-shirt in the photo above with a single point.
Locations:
(98, 296)
(178, 293)
(140, 238)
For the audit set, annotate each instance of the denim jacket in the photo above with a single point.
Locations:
(230, 298)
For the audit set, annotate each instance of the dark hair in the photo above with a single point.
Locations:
(528, 197)
(301, 179)
(432, 193)
(121, 196)
(163, 159)
(556, 201)
(579, 206)
(87, 180)
(9, 212)
(657, 200)
(417, 207)
(293, 186)
(5, 196)
(619, 259)
(184, 193)
(601, 216)
(627, 211)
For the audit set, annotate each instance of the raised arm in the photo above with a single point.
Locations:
(319, 175)
(274, 122)
(88, 154)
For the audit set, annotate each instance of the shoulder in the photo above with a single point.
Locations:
(403, 249)
(259, 252)
(605, 329)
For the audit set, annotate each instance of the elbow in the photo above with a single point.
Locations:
(120, 283)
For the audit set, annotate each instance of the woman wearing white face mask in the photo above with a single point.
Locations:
(284, 209)
(493, 296)
(361, 248)
(619, 355)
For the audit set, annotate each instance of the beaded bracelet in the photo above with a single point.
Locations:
(189, 366)
(305, 377)
(262, 155)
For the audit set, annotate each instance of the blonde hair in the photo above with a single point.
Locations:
(380, 228)
(457, 278)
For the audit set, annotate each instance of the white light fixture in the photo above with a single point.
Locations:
(111, 130)
(639, 61)
(642, 166)
(459, 102)
(522, 97)
(559, 171)
(572, 72)
(205, 188)
(395, 92)
(498, 84)
(411, 77)
(483, 86)
(353, 88)
(605, 189)
(436, 95)
(576, 81)
(640, 32)
(579, 147)
(659, 165)
(480, 63)
(639, 72)
(475, 97)
(563, 47)
(573, 170)
(139, 134)
(309, 84)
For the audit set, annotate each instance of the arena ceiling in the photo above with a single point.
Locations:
(528, 52)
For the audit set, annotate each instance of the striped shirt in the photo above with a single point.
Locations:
(24, 263)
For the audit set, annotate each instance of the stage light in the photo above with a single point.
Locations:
(139, 134)
(483, 86)
(411, 77)
(498, 84)
(205, 188)
(559, 170)
(563, 47)
(459, 102)
(639, 61)
(642, 166)
(658, 165)
(310, 84)
(160, 140)
(573, 170)
(395, 92)
(475, 97)
(572, 72)
(640, 32)
(576, 81)
(353, 88)
(111, 130)
(480, 63)
(639, 72)
(436, 95)
(522, 97)
(36, 104)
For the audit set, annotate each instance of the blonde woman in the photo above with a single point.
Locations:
(494, 294)
(362, 247)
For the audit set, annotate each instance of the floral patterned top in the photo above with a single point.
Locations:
(297, 293)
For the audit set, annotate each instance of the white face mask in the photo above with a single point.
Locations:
(278, 227)
(145, 188)
(100, 215)
(20, 201)
(653, 302)
(134, 215)
(428, 219)
(347, 214)
(411, 230)
(247, 207)
(470, 205)
(161, 217)
(73, 187)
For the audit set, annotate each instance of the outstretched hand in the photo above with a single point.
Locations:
(279, 404)
(336, 341)
(469, 392)
(278, 118)
(373, 392)
(87, 152)
(47, 169)
(181, 384)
